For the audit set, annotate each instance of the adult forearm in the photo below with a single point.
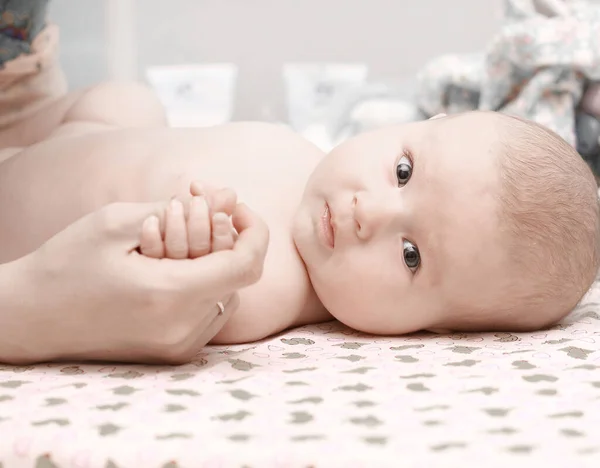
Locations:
(19, 325)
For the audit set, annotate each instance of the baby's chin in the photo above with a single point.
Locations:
(345, 315)
(356, 321)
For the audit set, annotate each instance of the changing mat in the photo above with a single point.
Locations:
(322, 396)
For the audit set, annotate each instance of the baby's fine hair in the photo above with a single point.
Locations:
(550, 219)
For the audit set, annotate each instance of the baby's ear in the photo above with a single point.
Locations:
(437, 116)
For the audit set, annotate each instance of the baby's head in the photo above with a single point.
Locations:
(476, 221)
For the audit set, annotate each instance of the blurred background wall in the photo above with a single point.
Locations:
(394, 37)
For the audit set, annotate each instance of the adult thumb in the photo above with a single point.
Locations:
(124, 221)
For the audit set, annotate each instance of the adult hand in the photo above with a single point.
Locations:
(92, 296)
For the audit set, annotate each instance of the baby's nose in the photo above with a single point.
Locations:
(374, 211)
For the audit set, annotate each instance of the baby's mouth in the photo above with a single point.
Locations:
(326, 227)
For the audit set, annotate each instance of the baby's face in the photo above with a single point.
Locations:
(399, 226)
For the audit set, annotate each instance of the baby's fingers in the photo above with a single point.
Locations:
(151, 242)
(198, 225)
(222, 232)
(176, 242)
(219, 199)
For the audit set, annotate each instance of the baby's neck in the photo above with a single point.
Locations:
(313, 310)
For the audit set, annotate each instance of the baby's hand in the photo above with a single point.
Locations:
(191, 230)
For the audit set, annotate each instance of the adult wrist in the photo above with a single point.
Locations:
(21, 331)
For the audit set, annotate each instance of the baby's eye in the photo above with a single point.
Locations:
(412, 258)
(403, 170)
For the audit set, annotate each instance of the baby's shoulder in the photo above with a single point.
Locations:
(277, 300)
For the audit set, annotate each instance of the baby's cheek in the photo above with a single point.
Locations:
(354, 311)
(359, 293)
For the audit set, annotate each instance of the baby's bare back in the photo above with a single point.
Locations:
(47, 186)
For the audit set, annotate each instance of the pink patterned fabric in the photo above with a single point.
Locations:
(323, 396)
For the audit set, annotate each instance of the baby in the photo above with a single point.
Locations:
(477, 221)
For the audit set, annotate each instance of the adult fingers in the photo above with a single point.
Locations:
(251, 245)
